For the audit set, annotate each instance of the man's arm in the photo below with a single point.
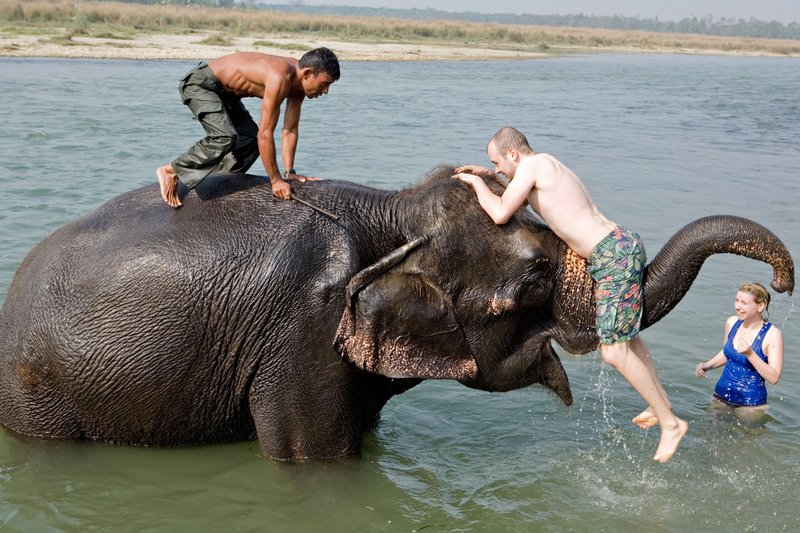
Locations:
(274, 94)
(291, 129)
(501, 208)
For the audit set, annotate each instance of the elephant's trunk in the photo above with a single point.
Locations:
(671, 273)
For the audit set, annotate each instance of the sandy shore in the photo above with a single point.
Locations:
(190, 47)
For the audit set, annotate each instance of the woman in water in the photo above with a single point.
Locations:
(753, 353)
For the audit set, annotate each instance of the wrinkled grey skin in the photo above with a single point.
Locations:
(241, 316)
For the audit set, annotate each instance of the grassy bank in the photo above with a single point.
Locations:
(65, 19)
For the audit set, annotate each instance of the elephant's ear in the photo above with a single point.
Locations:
(399, 324)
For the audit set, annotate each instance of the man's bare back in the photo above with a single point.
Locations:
(248, 74)
(561, 199)
(553, 191)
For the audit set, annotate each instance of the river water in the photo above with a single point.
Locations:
(659, 140)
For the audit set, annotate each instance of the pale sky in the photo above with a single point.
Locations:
(783, 11)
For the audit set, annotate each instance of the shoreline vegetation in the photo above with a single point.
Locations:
(113, 30)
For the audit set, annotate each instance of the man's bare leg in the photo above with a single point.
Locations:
(629, 360)
(168, 181)
(647, 418)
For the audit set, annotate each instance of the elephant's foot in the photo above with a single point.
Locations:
(168, 180)
(646, 419)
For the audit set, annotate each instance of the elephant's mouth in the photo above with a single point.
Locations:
(438, 360)
(534, 362)
(441, 353)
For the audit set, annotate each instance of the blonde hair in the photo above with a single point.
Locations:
(759, 292)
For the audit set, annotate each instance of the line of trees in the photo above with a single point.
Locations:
(724, 26)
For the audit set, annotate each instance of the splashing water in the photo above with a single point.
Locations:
(789, 312)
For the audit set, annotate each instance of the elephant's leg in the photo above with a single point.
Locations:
(32, 404)
(312, 406)
(296, 427)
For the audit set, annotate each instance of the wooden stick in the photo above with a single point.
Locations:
(315, 208)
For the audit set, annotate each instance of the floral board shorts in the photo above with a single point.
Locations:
(617, 266)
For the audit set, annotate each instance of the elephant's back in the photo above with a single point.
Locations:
(225, 214)
(137, 238)
(131, 229)
(222, 207)
(230, 228)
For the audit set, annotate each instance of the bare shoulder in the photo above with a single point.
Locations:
(273, 63)
(544, 164)
(238, 58)
(729, 323)
(773, 334)
(542, 168)
(542, 159)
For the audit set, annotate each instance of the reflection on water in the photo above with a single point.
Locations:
(659, 141)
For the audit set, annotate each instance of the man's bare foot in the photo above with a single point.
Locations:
(168, 181)
(646, 419)
(670, 440)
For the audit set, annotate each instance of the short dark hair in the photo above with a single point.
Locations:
(507, 138)
(321, 60)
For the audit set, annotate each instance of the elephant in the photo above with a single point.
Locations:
(241, 316)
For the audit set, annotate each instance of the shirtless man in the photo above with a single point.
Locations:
(616, 259)
(233, 141)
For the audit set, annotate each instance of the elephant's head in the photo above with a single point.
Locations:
(466, 299)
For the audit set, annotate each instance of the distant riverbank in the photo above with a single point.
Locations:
(208, 45)
(62, 28)
(204, 45)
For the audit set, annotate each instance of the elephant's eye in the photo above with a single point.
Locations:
(534, 294)
(534, 290)
(529, 287)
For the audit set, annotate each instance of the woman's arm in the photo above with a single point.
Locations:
(719, 359)
(715, 362)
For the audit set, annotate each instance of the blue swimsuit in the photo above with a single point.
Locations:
(740, 384)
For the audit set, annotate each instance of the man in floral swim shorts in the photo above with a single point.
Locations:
(615, 255)
(617, 266)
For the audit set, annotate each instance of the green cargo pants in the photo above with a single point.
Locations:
(231, 142)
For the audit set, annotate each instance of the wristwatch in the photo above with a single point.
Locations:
(290, 171)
